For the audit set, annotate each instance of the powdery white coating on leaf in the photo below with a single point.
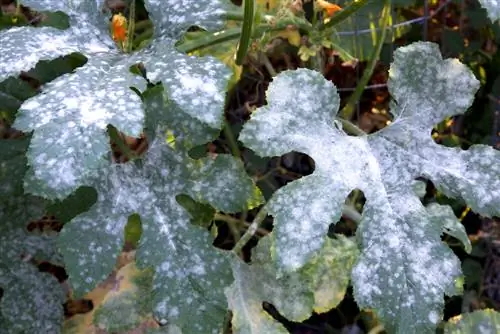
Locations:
(196, 85)
(236, 190)
(62, 5)
(291, 106)
(172, 17)
(492, 8)
(473, 174)
(187, 130)
(404, 269)
(48, 5)
(190, 272)
(70, 118)
(318, 287)
(444, 215)
(23, 47)
(78, 106)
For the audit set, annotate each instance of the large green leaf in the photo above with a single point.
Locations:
(32, 301)
(404, 268)
(319, 286)
(190, 273)
(70, 116)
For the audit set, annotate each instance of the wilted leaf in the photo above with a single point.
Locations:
(318, 287)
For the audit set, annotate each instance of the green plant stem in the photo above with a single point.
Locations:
(348, 109)
(233, 144)
(145, 35)
(209, 40)
(234, 33)
(238, 222)
(350, 128)
(351, 213)
(143, 25)
(344, 14)
(267, 64)
(116, 138)
(254, 226)
(246, 30)
(131, 27)
(234, 16)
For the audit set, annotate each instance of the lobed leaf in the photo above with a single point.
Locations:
(404, 268)
(190, 273)
(318, 287)
(70, 119)
(70, 116)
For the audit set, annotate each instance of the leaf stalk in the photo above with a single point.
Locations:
(246, 30)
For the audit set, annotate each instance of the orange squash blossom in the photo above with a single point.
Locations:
(119, 28)
(330, 8)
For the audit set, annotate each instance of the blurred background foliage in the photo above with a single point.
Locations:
(460, 27)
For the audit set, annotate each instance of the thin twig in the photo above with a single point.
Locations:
(254, 226)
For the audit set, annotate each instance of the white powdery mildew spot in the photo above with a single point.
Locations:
(189, 270)
(70, 118)
(196, 85)
(24, 47)
(404, 269)
(171, 17)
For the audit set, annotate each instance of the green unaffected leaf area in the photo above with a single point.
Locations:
(404, 268)
(319, 286)
(31, 301)
(483, 321)
(70, 116)
(190, 274)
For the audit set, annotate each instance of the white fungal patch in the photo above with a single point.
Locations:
(404, 269)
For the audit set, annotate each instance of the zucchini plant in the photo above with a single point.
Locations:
(397, 264)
